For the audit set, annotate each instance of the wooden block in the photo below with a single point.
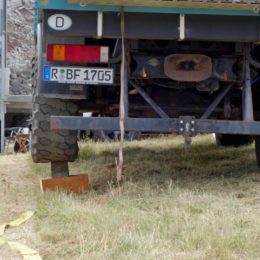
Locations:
(74, 183)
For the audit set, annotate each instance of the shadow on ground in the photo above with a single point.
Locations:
(164, 160)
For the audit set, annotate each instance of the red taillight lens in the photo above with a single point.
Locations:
(78, 53)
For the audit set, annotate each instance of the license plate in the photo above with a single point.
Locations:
(76, 75)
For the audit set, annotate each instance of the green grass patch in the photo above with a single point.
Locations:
(201, 204)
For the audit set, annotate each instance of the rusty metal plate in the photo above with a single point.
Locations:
(188, 67)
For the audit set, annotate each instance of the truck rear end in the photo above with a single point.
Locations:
(183, 67)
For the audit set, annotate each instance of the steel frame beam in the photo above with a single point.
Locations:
(156, 125)
(215, 103)
(149, 100)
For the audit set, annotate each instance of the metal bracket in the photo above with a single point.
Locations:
(100, 25)
(187, 128)
(182, 27)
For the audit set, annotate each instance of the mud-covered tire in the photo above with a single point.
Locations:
(233, 140)
(52, 146)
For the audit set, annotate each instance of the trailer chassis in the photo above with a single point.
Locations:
(188, 126)
(155, 24)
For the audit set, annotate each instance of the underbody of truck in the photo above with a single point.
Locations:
(167, 69)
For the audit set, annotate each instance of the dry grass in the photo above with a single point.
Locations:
(18, 185)
(174, 205)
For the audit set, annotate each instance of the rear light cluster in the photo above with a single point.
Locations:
(78, 53)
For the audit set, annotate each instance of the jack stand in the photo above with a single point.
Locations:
(62, 181)
(59, 169)
(187, 129)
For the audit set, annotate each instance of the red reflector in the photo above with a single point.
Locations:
(78, 53)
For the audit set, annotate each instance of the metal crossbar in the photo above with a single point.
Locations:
(156, 125)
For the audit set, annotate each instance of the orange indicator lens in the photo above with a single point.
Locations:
(59, 52)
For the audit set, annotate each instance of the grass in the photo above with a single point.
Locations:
(203, 204)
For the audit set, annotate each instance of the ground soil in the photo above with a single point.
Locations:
(203, 204)
(17, 184)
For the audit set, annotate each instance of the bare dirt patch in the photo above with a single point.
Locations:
(17, 186)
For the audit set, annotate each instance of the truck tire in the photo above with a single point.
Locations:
(52, 146)
(233, 140)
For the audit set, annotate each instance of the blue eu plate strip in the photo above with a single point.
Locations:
(47, 73)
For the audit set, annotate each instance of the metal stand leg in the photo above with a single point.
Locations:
(2, 129)
(59, 169)
(126, 87)
(248, 112)
(123, 108)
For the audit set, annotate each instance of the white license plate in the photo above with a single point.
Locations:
(77, 75)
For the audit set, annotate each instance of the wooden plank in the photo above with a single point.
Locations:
(234, 5)
(75, 183)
